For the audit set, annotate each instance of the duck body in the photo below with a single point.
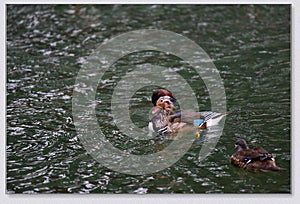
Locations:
(253, 159)
(163, 119)
(159, 121)
(202, 120)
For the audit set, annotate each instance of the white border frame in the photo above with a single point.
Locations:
(294, 197)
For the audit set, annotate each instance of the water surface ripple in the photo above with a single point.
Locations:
(47, 44)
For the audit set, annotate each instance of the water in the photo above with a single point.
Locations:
(46, 46)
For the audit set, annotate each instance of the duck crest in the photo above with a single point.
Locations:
(253, 159)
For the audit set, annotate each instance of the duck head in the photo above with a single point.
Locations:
(159, 93)
(240, 145)
(165, 103)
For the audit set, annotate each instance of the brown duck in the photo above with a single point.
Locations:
(253, 159)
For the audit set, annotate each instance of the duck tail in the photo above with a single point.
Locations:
(220, 115)
(226, 113)
(274, 168)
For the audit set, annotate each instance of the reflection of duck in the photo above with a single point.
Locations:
(253, 159)
(163, 100)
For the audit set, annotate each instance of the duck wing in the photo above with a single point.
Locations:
(245, 156)
(188, 116)
(263, 154)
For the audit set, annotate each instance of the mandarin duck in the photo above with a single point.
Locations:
(164, 99)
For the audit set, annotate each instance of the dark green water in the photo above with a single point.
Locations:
(46, 46)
